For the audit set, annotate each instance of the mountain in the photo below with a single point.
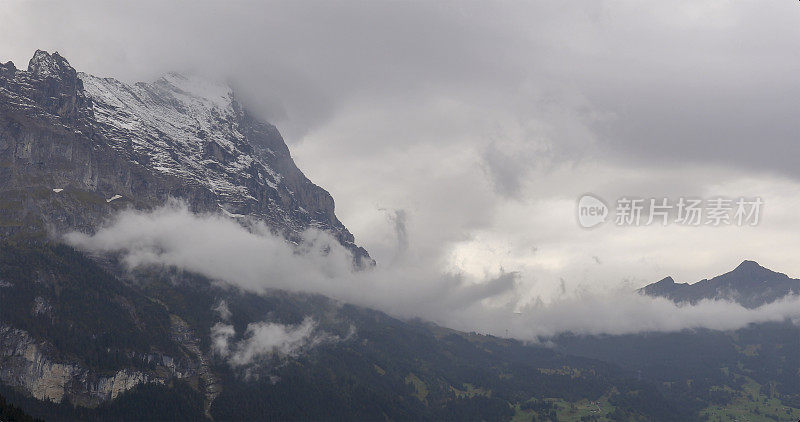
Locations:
(749, 284)
(75, 148)
(82, 337)
(752, 373)
(747, 374)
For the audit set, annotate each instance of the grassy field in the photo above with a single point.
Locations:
(752, 405)
(570, 412)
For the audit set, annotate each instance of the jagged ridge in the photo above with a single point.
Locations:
(74, 148)
(749, 284)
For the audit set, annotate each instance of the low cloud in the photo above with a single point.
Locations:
(221, 335)
(625, 312)
(265, 339)
(257, 261)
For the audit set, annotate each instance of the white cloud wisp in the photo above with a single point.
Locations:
(257, 261)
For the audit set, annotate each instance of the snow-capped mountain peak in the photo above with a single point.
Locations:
(180, 136)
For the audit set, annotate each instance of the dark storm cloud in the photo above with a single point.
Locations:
(484, 121)
(715, 89)
(699, 82)
(293, 60)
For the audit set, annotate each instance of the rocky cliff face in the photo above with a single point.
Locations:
(74, 148)
(27, 364)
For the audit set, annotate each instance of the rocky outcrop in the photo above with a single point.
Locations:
(75, 148)
(183, 334)
(27, 364)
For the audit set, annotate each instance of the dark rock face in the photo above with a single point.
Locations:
(70, 142)
(75, 149)
(748, 284)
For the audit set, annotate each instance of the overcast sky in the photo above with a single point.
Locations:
(471, 128)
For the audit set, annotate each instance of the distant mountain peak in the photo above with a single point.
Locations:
(665, 281)
(749, 284)
(749, 263)
(749, 273)
(750, 266)
(662, 287)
